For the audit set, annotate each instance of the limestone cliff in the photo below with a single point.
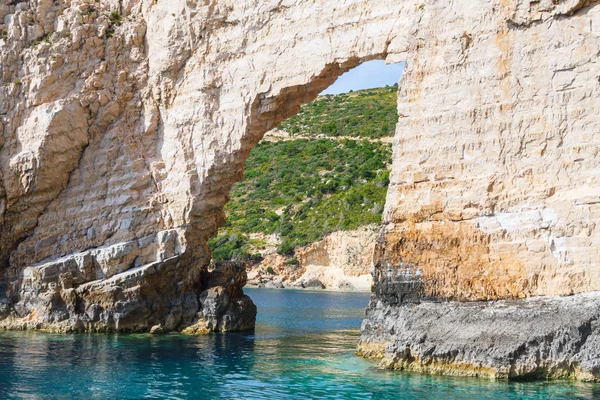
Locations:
(342, 260)
(125, 123)
(493, 197)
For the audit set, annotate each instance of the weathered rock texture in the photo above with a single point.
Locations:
(341, 260)
(494, 195)
(539, 337)
(124, 125)
(122, 134)
(494, 189)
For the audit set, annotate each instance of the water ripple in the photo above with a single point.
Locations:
(302, 348)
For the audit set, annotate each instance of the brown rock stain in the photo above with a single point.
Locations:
(504, 65)
(454, 261)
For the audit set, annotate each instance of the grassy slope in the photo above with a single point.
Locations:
(367, 113)
(303, 189)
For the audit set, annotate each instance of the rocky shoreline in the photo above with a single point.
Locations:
(544, 337)
(124, 125)
(335, 290)
(210, 300)
(341, 260)
(537, 338)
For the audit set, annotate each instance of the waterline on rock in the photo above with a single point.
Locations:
(303, 347)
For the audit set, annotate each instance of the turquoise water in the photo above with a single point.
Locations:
(302, 348)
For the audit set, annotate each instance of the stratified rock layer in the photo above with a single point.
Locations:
(494, 190)
(341, 260)
(125, 123)
(540, 337)
(494, 195)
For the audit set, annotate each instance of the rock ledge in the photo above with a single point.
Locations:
(540, 337)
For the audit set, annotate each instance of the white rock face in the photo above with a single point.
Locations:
(495, 182)
(341, 260)
(126, 132)
(161, 103)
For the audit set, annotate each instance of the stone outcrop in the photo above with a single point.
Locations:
(125, 123)
(540, 337)
(61, 296)
(492, 198)
(493, 190)
(341, 260)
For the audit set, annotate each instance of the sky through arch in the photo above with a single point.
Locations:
(369, 75)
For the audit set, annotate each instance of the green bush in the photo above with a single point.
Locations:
(115, 18)
(368, 113)
(303, 189)
(229, 246)
(286, 248)
(292, 261)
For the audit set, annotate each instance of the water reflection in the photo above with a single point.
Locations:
(302, 348)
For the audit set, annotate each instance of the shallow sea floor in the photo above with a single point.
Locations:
(303, 347)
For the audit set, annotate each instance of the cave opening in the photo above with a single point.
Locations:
(307, 211)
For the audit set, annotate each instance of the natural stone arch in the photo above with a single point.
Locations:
(120, 243)
(176, 96)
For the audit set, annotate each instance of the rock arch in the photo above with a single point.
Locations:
(173, 98)
(161, 102)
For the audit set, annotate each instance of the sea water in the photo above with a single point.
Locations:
(302, 348)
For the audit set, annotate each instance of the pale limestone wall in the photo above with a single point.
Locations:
(495, 183)
(174, 99)
(341, 260)
(498, 115)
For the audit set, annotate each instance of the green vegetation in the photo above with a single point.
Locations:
(115, 18)
(292, 261)
(230, 246)
(367, 113)
(303, 189)
(43, 39)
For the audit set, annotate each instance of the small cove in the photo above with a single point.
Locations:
(303, 347)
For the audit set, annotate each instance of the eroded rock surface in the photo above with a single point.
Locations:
(125, 123)
(341, 260)
(540, 337)
(492, 197)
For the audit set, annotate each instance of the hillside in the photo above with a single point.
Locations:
(369, 113)
(303, 189)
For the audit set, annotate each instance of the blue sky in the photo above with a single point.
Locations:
(372, 74)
